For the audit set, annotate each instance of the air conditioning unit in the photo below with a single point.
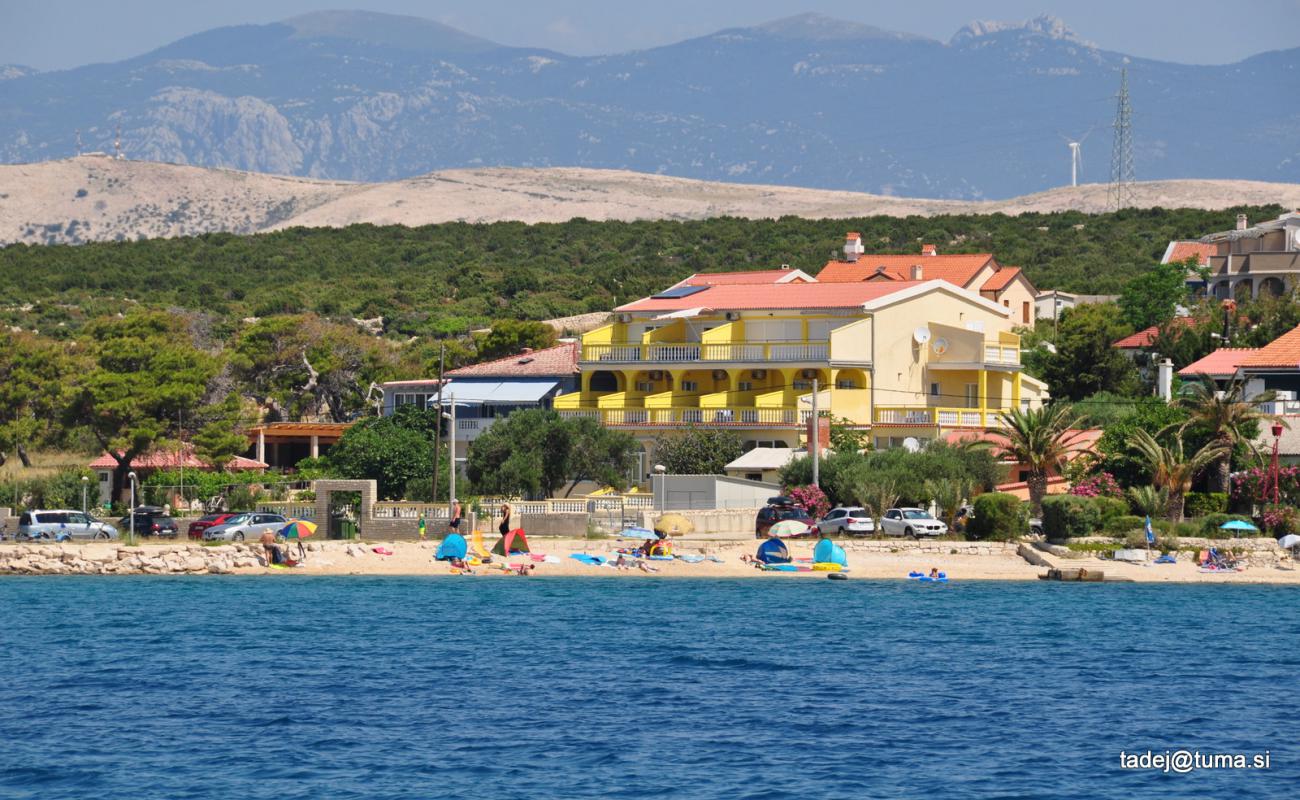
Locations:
(746, 386)
(645, 386)
(656, 375)
(732, 316)
(758, 374)
(809, 373)
(690, 386)
(719, 374)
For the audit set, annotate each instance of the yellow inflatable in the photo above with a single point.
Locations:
(826, 566)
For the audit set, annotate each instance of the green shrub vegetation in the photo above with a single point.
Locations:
(1069, 517)
(998, 516)
(1199, 504)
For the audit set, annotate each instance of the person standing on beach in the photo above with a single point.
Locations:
(453, 517)
(270, 548)
(505, 519)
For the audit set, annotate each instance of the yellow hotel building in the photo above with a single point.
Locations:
(742, 350)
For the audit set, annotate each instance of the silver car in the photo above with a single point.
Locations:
(847, 519)
(912, 523)
(245, 526)
(61, 526)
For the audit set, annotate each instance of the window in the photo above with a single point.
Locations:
(1006, 303)
(934, 390)
(1024, 312)
(753, 476)
(972, 395)
(746, 386)
(846, 383)
(690, 386)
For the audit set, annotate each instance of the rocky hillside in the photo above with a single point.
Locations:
(806, 101)
(97, 198)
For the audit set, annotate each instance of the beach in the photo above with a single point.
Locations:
(871, 559)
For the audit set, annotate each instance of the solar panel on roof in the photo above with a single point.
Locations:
(678, 292)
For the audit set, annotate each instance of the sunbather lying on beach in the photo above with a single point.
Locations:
(458, 565)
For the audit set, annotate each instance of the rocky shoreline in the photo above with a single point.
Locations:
(120, 559)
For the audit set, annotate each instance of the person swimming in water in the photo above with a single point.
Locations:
(934, 572)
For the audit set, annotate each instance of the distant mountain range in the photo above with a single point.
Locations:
(807, 101)
(98, 198)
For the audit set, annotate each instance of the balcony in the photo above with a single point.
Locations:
(684, 417)
(693, 352)
(995, 354)
(932, 416)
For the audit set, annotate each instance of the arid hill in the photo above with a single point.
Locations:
(97, 198)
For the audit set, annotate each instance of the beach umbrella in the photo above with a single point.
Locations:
(298, 529)
(674, 524)
(788, 527)
(1290, 540)
(1237, 525)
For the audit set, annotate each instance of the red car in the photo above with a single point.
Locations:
(198, 526)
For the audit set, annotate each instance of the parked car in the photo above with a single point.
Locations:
(777, 510)
(198, 526)
(62, 525)
(245, 526)
(847, 519)
(912, 523)
(150, 521)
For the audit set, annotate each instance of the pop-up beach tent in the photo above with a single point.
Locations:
(512, 542)
(454, 546)
(773, 551)
(827, 552)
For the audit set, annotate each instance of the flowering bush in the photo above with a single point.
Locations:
(1281, 520)
(1255, 485)
(1103, 484)
(811, 498)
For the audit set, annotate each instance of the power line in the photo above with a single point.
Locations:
(1121, 154)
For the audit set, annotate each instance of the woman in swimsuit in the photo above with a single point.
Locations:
(505, 519)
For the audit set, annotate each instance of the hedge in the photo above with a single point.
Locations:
(998, 516)
(1067, 516)
(1124, 523)
(1200, 504)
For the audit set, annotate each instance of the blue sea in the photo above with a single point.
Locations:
(350, 687)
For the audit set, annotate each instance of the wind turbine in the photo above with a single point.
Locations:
(1076, 154)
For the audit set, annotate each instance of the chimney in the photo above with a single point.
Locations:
(1165, 379)
(929, 250)
(785, 267)
(853, 246)
(917, 272)
(1241, 222)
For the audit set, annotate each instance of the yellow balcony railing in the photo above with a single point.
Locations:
(690, 352)
(995, 354)
(941, 417)
(680, 417)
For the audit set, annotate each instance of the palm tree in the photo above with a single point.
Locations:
(1228, 416)
(1171, 469)
(1148, 501)
(948, 495)
(1040, 439)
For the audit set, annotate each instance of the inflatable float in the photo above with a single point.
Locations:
(924, 578)
(837, 576)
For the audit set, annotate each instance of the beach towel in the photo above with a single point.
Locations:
(383, 551)
(591, 561)
(691, 559)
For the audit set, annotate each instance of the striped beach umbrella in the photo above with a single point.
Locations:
(298, 529)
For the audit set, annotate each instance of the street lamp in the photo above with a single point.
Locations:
(660, 469)
(131, 511)
(451, 458)
(84, 483)
(1274, 472)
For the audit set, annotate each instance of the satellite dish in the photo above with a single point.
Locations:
(921, 335)
(940, 346)
(911, 444)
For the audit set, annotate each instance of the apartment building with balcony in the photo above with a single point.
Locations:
(904, 359)
(1254, 260)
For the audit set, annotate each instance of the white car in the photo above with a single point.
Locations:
(912, 523)
(847, 519)
(248, 527)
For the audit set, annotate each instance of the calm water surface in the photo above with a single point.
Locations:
(569, 688)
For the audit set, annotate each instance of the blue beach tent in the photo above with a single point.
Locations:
(773, 551)
(454, 546)
(827, 552)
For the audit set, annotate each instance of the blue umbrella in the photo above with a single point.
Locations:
(1237, 525)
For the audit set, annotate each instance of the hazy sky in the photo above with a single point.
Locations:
(53, 34)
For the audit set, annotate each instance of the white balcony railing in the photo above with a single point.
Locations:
(690, 352)
(682, 417)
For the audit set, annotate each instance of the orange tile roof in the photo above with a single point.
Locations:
(747, 276)
(1144, 337)
(557, 361)
(1222, 363)
(739, 297)
(955, 269)
(1183, 250)
(1000, 280)
(1284, 351)
(161, 459)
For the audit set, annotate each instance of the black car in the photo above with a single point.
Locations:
(776, 510)
(149, 521)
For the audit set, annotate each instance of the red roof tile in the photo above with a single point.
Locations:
(1144, 337)
(558, 361)
(956, 269)
(1183, 250)
(739, 297)
(161, 459)
(1000, 279)
(1222, 363)
(1284, 351)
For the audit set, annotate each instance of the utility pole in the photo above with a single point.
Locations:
(814, 438)
(451, 459)
(437, 429)
(1120, 194)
